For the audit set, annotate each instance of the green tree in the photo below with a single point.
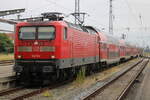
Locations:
(6, 44)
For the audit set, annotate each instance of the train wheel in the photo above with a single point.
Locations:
(17, 83)
(88, 70)
(62, 75)
(55, 77)
(71, 72)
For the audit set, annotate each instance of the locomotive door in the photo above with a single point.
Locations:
(98, 45)
(71, 48)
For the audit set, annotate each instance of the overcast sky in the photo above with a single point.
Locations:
(126, 14)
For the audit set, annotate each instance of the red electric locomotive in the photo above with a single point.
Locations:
(52, 49)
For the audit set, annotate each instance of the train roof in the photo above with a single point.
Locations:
(42, 23)
(105, 38)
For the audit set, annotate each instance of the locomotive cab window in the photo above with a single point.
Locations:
(46, 33)
(27, 33)
(65, 33)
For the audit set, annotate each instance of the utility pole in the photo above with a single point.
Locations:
(77, 11)
(140, 17)
(79, 16)
(110, 17)
(142, 29)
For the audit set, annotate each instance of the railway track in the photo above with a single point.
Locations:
(7, 82)
(21, 93)
(6, 62)
(9, 91)
(117, 88)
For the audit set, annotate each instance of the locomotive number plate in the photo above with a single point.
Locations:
(35, 56)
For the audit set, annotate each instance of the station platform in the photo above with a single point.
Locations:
(6, 71)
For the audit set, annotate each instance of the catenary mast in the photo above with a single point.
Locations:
(111, 17)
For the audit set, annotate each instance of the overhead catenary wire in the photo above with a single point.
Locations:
(46, 6)
(132, 13)
(140, 22)
(59, 5)
(135, 18)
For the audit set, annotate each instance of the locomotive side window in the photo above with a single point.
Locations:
(46, 32)
(65, 33)
(27, 33)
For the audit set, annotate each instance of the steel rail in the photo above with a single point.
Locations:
(10, 91)
(99, 90)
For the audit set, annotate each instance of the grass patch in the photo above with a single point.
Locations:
(80, 76)
(4, 56)
(147, 54)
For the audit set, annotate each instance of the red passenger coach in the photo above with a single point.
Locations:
(51, 49)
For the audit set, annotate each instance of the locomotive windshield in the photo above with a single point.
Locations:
(27, 33)
(46, 32)
(41, 33)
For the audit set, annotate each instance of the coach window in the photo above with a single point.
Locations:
(65, 33)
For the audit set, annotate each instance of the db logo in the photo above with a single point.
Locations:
(36, 48)
(36, 43)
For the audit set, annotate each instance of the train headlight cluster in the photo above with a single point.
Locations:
(47, 49)
(42, 49)
(24, 49)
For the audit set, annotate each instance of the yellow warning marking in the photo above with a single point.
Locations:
(47, 94)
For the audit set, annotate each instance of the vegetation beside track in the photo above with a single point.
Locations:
(80, 76)
(6, 44)
(4, 56)
(146, 54)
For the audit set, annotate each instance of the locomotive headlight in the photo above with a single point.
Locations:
(47, 49)
(53, 57)
(24, 49)
(19, 56)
